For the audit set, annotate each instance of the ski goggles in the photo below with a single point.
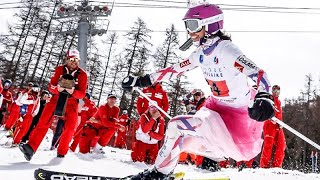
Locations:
(153, 108)
(276, 90)
(7, 84)
(74, 59)
(196, 25)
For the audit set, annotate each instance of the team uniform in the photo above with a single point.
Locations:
(6, 101)
(120, 140)
(104, 129)
(87, 111)
(14, 111)
(32, 103)
(155, 93)
(273, 137)
(71, 112)
(149, 133)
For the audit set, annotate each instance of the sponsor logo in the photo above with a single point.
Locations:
(185, 63)
(238, 66)
(66, 177)
(201, 59)
(216, 60)
(158, 95)
(215, 72)
(40, 175)
(244, 60)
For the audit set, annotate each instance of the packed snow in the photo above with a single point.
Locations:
(117, 163)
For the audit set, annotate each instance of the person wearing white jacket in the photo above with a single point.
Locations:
(31, 101)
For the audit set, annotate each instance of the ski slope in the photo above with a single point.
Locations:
(117, 162)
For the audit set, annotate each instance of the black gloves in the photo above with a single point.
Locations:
(262, 108)
(136, 81)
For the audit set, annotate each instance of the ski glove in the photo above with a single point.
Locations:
(262, 108)
(136, 81)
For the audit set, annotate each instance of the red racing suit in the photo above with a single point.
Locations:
(14, 111)
(120, 141)
(105, 128)
(33, 104)
(5, 105)
(71, 112)
(273, 136)
(87, 111)
(149, 133)
(155, 93)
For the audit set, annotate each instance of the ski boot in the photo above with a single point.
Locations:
(152, 174)
(27, 151)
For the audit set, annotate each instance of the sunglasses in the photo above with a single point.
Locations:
(196, 25)
(153, 108)
(276, 90)
(73, 59)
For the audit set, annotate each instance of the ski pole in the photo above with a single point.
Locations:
(156, 105)
(75, 134)
(296, 133)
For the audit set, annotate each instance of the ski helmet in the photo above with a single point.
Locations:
(208, 15)
(276, 90)
(7, 84)
(275, 87)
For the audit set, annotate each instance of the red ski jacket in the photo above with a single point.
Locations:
(80, 84)
(106, 116)
(155, 93)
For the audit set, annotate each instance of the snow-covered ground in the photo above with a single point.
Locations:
(117, 163)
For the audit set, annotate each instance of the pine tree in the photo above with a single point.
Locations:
(165, 56)
(112, 40)
(136, 54)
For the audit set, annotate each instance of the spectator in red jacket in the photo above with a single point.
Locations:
(101, 127)
(273, 136)
(1, 97)
(87, 111)
(120, 141)
(31, 102)
(71, 113)
(13, 111)
(155, 93)
(151, 130)
(6, 99)
(1, 87)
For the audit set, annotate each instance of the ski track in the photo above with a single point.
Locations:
(117, 162)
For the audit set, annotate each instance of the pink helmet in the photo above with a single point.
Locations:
(208, 15)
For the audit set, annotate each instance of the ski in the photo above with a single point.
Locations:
(42, 174)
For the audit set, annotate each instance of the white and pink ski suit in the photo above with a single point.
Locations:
(222, 127)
